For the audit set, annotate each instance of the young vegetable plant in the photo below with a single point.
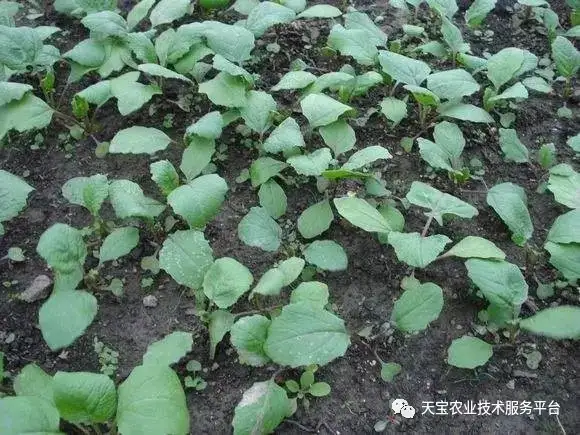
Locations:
(92, 403)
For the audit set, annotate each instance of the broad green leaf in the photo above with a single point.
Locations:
(258, 229)
(419, 305)
(167, 11)
(28, 113)
(338, 136)
(511, 204)
(564, 183)
(225, 281)
(326, 255)
(119, 243)
(476, 247)
(574, 142)
(14, 193)
(222, 64)
(361, 214)
(265, 15)
(537, 84)
(257, 112)
(225, 90)
(464, 112)
(415, 250)
(196, 156)
(566, 57)
(262, 408)
(105, 23)
(139, 140)
(469, 352)
(142, 47)
(560, 323)
(477, 12)
(294, 80)
(130, 94)
(296, 5)
(270, 283)
(33, 381)
(366, 156)
(151, 400)
(395, 110)
(273, 198)
(500, 282)
(163, 173)
(446, 151)
(321, 110)
(159, 71)
(404, 69)
(169, 350)
(353, 42)
(315, 220)
(264, 168)
(516, 91)
(305, 334)
(320, 11)
(284, 137)
(565, 258)
(233, 42)
(452, 84)
(453, 37)
(508, 64)
(64, 317)
(445, 8)
(394, 218)
(63, 248)
(512, 147)
(199, 201)
(128, 201)
(291, 268)
(566, 228)
(312, 164)
(440, 204)
(21, 47)
(186, 256)
(423, 95)
(355, 20)
(248, 335)
(28, 415)
(332, 80)
(12, 91)
(83, 397)
(209, 126)
(139, 12)
(220, 323)
(312, 292)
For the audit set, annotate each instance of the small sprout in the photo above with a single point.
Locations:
(389, 371)
(15, 254)
(307, 386)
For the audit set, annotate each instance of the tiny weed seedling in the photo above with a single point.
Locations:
(194, 380)
(307, 387)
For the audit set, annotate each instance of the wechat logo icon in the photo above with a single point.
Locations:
(400, 406)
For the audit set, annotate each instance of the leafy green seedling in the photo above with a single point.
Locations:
(308, 386)
(194, 380)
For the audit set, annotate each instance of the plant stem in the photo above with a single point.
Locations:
(97, 429)
(249, 313)
(426, 227)
(82, 429)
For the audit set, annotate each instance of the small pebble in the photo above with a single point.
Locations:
(511, 384)
(150, 301)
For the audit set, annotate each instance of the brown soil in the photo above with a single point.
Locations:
(363, 295)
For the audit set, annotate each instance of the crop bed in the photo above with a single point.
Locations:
(286, 224)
